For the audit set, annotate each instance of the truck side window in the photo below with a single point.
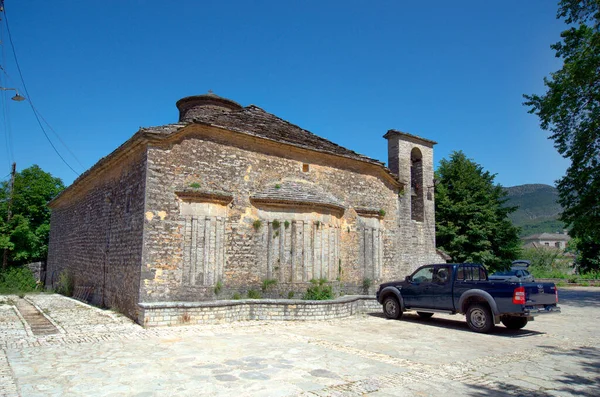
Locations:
(460, 274)
(424, 275)
(482, 274)
(442, 275)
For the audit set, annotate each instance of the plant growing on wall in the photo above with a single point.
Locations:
(254, 294)
(268, 284)
(381, 213)
(319, 290)
(257, 224)
(317, 224)
(194, 185)
(286, 224)
(367, 282)
(278, 186)
(218, 287)
(276, 224)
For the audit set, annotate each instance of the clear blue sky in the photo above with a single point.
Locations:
(453, 72)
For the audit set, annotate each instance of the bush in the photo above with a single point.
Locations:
(237, 296)
(17, 280)
(65, 284)
(254, 294)
(318, 291)
(268, 284)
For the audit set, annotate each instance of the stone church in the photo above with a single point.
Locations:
(232, 197)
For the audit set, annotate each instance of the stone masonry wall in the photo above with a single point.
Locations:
(415, 239)
(185, 313)
(96, 233)
(208, 162)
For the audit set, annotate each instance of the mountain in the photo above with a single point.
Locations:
(538, 208)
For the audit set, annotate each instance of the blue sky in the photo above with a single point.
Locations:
(453, 72)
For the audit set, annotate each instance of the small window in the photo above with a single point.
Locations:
(547, 244)
(557, 244)
(305, 168)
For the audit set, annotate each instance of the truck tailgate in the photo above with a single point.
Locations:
(540, 293)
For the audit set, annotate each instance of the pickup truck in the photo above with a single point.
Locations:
(464, 288)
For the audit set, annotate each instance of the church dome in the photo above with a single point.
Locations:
(198, 106)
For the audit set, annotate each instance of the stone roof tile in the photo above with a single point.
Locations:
(289, 191)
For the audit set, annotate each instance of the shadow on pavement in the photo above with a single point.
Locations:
(586, 381)
(589, 297)
(459, 325)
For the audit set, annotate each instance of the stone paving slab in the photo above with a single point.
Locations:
(101, 353)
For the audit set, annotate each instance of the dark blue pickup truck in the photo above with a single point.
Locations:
(464, 288)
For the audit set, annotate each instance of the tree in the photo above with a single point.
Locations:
(570, 110)
(471, 218)
(26, 235)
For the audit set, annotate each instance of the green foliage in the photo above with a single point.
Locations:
(291, 295)
(318, 224)
(236, 296)
(218, 287)
(194, 185)
(276, 224)
(570, 110)
(16, 279)
(286, 224)
(318, 291)
(257, 224)
(268, 284)
(26, 235)
(367, 283)
(381, 213)
(66, 283)
(548, 262)
(277, 186)
(471, 217)
(254, 294)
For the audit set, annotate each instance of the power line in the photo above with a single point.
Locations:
(27, 92)
(7, 131)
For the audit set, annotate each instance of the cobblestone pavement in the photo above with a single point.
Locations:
(101, 353)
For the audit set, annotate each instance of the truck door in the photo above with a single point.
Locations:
(418, 291)
(441, 288)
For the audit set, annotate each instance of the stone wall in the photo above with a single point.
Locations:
(415, 238)
(185, 313)
(210, 160)
(96, 233)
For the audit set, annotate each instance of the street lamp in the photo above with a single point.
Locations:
(17, 97)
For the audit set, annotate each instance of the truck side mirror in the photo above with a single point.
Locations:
(408, 279)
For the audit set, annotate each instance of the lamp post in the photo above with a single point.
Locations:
(16, 98)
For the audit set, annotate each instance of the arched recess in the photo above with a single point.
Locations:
(205, 215)
(417, 205)
(301, 231)
(370, 233)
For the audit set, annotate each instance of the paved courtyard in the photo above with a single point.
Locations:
(95, 352)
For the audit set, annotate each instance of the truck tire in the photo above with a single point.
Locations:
(391, 308)
(425, 314)
(479, 318)
(514, 322)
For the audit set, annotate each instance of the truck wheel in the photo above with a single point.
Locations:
(479, 318)
(391, 308)
(514, 322)
(425, 314)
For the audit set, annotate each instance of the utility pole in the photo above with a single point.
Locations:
(11, 188)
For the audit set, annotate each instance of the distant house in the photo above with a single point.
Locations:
(549, 240)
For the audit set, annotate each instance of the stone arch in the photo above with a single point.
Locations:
(417, 206)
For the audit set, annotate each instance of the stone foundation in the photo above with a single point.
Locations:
(157, 314)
